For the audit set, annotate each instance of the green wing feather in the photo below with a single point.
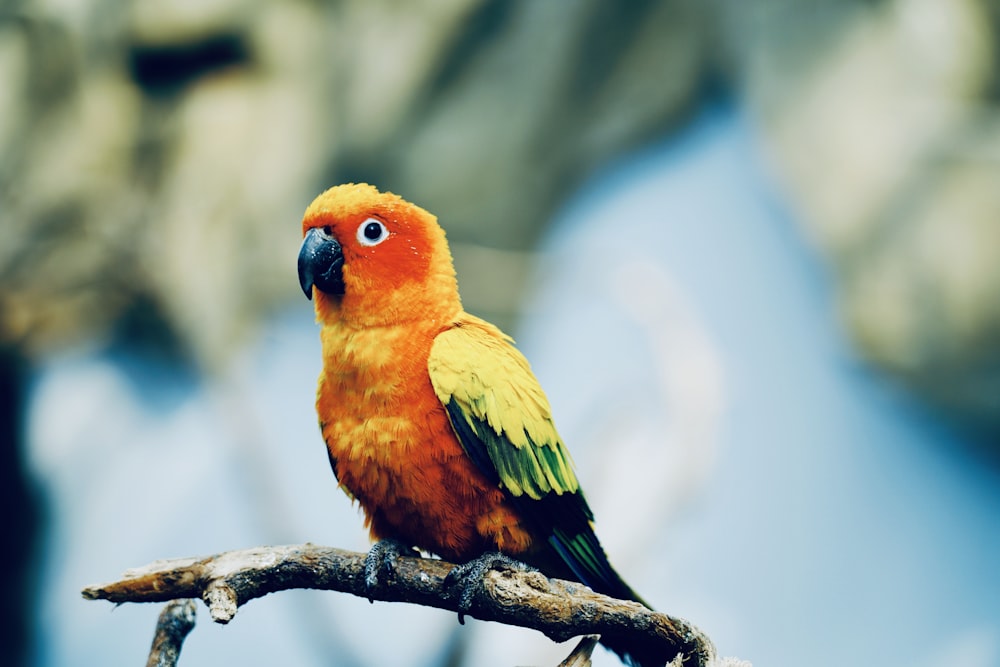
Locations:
(503, 420)
(491, 393)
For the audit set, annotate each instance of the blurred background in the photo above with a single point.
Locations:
(752, 248)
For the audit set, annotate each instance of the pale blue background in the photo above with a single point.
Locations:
(804, 511)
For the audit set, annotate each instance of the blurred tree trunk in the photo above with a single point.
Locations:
(20, 502)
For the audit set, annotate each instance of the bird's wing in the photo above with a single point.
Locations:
(502, 418)
(499, 411)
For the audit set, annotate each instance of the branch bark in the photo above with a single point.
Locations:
(558, 609)
(172, 627)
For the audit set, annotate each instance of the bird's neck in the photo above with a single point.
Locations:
(432, 303)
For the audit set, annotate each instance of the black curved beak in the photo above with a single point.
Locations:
(321, 263)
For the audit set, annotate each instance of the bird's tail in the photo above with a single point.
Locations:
(585, 556)
(572, 551)
(631, 652)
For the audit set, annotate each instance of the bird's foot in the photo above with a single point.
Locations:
(381, 560)
(470, 576)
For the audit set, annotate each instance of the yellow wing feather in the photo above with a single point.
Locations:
(498, 410)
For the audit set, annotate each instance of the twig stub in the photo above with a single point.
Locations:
(172, 627)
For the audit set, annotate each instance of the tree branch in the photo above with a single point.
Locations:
(558, 609)
(175, 622)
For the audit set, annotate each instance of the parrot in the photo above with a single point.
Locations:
(433, 420)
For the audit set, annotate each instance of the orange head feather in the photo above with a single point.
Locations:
(396, 266)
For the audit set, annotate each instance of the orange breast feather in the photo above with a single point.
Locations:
(396, 453)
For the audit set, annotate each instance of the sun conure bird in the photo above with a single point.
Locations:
(433, 420)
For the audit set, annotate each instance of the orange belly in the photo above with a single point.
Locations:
(396, 453)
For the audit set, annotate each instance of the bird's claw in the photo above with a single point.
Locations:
(381, 559)
(470, 576)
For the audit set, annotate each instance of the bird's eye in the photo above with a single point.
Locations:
(372, 232)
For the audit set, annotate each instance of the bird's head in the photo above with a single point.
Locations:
(373, 258)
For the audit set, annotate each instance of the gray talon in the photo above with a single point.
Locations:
(469, 577)
(381, 559)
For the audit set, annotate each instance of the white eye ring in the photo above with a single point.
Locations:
(372, 232)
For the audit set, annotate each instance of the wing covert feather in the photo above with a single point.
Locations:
(490, 393)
